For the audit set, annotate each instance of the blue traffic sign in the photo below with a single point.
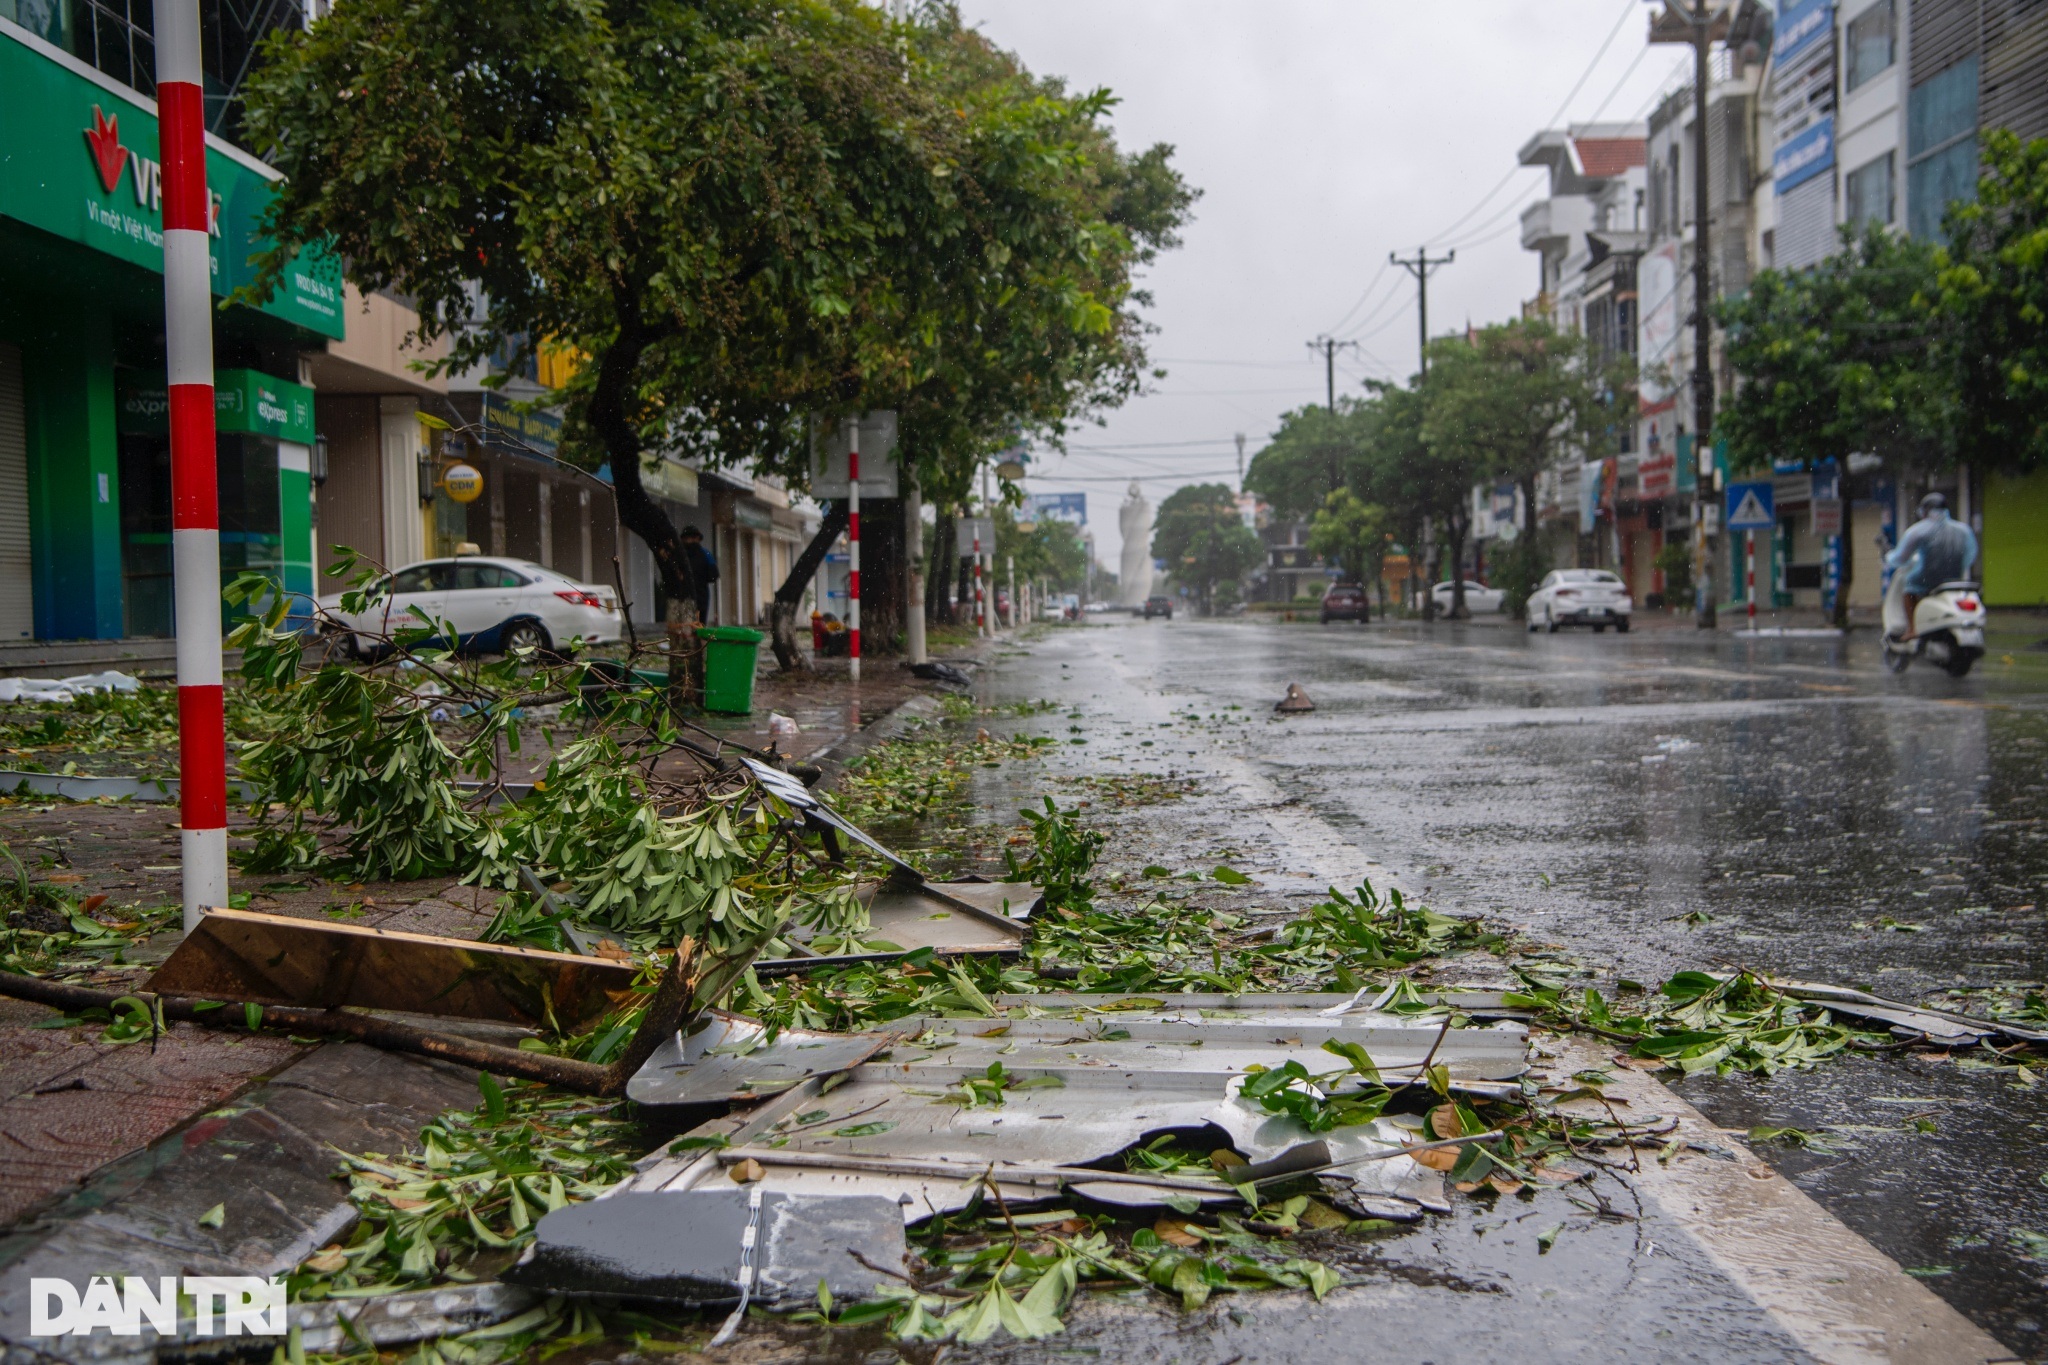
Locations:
(1751, 506)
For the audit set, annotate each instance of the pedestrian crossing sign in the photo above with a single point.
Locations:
(1750, 506)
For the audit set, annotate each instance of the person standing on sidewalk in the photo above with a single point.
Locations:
(704, 568)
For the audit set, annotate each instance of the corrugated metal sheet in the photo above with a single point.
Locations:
(2015, 81)
(1091, 1075)
(17, 585)
(1944, 32)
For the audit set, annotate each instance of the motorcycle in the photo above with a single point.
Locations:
(1948, 627)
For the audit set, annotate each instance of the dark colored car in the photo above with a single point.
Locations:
(1158, 606)
(1346, 602)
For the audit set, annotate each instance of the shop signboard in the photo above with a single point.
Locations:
(1071, 507)
(248, 402)
(1657, 475)
(82, 164)
(667, 479)
(830, 460)
(522, 427)
(1805, 154)
(1801, 24)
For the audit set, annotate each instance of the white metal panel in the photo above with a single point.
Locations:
(17, 585)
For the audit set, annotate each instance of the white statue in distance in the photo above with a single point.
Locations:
(1135, 517)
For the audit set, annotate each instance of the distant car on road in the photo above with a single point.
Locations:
(1478, 598)
(1097, 608)
(1158, 606)
(1346, 602)
(1580, 597)
(494, 605)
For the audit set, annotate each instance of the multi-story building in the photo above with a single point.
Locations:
(84, 450)
(1874, 113)
(1588, 234)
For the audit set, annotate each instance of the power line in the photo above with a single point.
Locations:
(1641, 53)
(1628, 9)
(1363, 295)
(1421, 268)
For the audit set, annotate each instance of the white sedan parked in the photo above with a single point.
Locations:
(1478, 597)
(1580, 597)
(501, 605)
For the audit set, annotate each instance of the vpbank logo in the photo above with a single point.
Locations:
(145, 176)
(241, 1304)
(104, 138)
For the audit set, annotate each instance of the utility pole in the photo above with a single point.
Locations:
(1328, 346)
(195, 489)
(1700, 28)
(1240, 462)
(1421, 268)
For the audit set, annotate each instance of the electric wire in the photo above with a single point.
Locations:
(1628, 9)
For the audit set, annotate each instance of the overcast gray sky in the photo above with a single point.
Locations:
(1323, 134)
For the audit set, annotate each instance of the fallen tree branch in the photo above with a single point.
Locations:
(673, 1000)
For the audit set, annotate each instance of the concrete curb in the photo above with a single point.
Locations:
(1839, 1297)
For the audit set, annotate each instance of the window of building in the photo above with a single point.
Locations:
(118, 38)
(1933, 182)
(1942, 108)
(1941, 145)
(1870, 194)
(1871, 43)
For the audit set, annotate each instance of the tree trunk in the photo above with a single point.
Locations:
(613, 421)
(782, 612)
(1455, 529)
(1432, 562)
(881, 576)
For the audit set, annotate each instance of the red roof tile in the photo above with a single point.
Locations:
(1605, 156)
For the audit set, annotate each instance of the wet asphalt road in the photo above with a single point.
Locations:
(1672, 799)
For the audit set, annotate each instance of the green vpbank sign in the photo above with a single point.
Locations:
(244, 401)
(79, 160)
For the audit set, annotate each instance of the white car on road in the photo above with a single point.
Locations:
(1478, 597)
(500, 605)
(1580, 597)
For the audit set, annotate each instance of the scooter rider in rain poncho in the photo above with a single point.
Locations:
(1936, 549)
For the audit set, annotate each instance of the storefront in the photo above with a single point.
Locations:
(84, 500)
(263, 445)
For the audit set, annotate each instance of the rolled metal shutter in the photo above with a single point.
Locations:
(17, 582)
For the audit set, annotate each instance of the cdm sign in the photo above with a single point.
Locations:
(240, 1304)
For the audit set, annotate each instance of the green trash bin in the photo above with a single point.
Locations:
(729, 654)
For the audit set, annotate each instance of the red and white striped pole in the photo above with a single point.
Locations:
(853, 549)
(1749, 573)
(980, 604)
(195, 493)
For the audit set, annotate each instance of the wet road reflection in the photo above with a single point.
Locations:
(1669, 800)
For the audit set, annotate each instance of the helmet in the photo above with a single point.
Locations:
(1932, 503)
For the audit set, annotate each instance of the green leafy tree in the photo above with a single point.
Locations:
(1203, 540)
(1835, 359)
(1514, 400)
(1051, 550)
(741, 213)
(1351, 534)
(1313, 454)
(1993, 307)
